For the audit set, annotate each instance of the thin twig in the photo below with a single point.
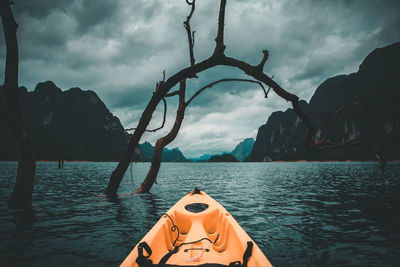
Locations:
(225, 80)
(190, 35)
(263, 60)
(172, 93)
(220, 47)
(163, 123)
(269, 88)
(164, 117)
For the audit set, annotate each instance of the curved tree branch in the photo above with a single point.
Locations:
(165, 109)
(164, 117)
(323, 144)
(371, 139)
(225, 80)
(165, 105)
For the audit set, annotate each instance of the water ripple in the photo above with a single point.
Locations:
(318, 214)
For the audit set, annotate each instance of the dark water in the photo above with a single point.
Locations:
(300, 214)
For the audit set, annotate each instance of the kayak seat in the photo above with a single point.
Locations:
(211, 223)
(219, 225)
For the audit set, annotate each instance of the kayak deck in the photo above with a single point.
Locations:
(197, 230)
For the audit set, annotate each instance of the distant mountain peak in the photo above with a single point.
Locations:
(243, 149)
(169, 155)
(240, 153)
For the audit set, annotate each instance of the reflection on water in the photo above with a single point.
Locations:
(302, 214)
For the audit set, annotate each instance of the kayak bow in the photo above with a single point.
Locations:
(196, 231)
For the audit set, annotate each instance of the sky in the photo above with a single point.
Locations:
(119, 49)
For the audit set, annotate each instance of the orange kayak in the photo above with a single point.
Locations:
(196, 231)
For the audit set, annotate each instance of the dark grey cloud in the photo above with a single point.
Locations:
(120, 48)
(38, 8)
(93, 13)
(136, 98)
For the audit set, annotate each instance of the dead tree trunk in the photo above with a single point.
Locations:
(119, 172)
(22, 194)
(163, 142)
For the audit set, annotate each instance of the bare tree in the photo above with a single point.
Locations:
(217, 58)
(180, 114)
(22, 194)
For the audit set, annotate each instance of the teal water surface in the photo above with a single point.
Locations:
(300, 214)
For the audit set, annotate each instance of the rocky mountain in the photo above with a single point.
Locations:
(240, 152)
(377, 82)
(202, 158)
(243, 149)
(223, 158)
(169, 155)
(71, 125)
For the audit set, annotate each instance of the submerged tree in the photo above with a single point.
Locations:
(22, 194)
(180, 114)
(217, 58)
(164, 141)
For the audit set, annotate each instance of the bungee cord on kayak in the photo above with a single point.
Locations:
(202, 249)
(173, 228)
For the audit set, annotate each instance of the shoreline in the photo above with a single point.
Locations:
(278, 161)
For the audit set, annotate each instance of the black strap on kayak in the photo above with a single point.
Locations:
(201, 239)
(168, 255)
(142, 260)
(176, 248)
(247, 253)
(246, 256)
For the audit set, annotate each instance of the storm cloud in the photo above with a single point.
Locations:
(120, 48)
